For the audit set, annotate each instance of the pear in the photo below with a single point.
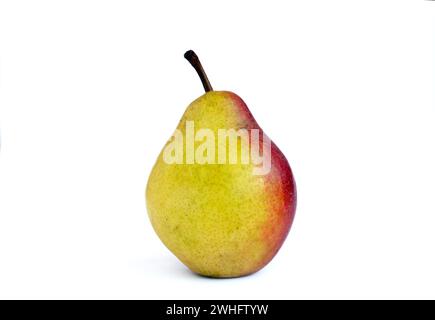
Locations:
(221, 218)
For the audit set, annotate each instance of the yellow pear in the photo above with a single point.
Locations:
(221, 195)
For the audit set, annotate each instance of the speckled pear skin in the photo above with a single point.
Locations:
(220, 220)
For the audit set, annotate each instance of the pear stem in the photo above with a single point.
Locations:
(196, 64)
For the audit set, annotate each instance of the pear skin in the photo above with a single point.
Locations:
(221, 220)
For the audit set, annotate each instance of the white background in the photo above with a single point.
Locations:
(91, 90)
